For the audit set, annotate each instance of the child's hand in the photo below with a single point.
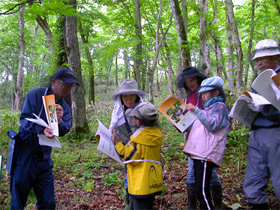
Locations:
(190, 107)
(114, 138)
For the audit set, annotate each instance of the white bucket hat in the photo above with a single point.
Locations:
(144, 110)
(266, 47)
(211, 83)
(128, 86)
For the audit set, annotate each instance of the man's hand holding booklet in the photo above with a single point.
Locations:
(50, 110)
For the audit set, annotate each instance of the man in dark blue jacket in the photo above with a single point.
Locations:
(33, 164)
(264, 143)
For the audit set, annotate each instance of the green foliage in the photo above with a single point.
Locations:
(89, 185)
(177, 196)
(9, 120)
(112, 178)
(237, 144)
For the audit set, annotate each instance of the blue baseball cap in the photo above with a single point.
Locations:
(66, 75)
(211, 83)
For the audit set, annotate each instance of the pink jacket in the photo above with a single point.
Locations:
(207, 138)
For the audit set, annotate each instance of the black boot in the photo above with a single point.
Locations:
(259, 206)
(217, 196)
(191, 197)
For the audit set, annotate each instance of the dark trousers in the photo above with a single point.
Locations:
(32, 172)
(203, 172)
(143, 203)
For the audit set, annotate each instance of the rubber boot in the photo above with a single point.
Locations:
(128, 202)
(191, 197)
(259, 206)
(217, 196)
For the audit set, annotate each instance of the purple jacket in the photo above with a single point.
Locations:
(207, 138)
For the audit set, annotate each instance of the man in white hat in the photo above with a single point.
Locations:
(264, 143)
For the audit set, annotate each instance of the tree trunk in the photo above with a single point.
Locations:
(116, 66)
(80, 124)
(61, 54)
(167, 58)
(184, 56)
(230, 55)
(18, 91)
(218, 51)
(158, 46)
(204, 45)
(91, 95)
(239, 72)
(126, 62)
(250, 43)
(138, 62)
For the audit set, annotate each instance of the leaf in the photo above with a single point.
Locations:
(89, 186)
(235, 206)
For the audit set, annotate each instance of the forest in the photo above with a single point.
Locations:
(106, 41)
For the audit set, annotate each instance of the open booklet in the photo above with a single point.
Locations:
(267, 85)
(242, 112)
(50, 110)
(174, 110)
(264, 83)
(106, 144)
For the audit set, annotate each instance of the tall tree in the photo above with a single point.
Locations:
(250, 43)
(80, 124)
(184, 54)
(84, 38)
(138, 62)
(18, 91)
(204, 46)
(230, 58)
(236, 39)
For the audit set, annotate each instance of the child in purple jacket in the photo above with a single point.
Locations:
(207, 138)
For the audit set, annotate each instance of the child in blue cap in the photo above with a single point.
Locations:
(207, 138)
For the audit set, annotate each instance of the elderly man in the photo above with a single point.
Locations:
(264, 143)
(32, 166)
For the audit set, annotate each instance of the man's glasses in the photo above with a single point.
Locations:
(66, 85)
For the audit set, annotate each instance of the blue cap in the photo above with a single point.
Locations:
(211, 83)
(66, 75)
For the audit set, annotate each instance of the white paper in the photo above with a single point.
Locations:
(243, 111)
(106, 144)
(186, 121)
(262, 84)
(45, 141)
(39, 121)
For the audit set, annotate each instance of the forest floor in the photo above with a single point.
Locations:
(106, 194)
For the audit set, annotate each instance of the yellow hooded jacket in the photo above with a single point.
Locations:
(144, 171)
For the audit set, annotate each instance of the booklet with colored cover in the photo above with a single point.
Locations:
(174, 110)
(52, 122)
(106, 144)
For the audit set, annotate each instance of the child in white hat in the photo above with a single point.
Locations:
(142, 156)
(207, 138)
(125, 99)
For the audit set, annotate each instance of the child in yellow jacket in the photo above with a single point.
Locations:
(142, 156)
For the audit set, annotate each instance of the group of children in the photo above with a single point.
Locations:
(138, 140)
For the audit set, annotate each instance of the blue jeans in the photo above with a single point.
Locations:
(215, 180)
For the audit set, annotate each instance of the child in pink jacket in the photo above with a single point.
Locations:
(207, 138)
